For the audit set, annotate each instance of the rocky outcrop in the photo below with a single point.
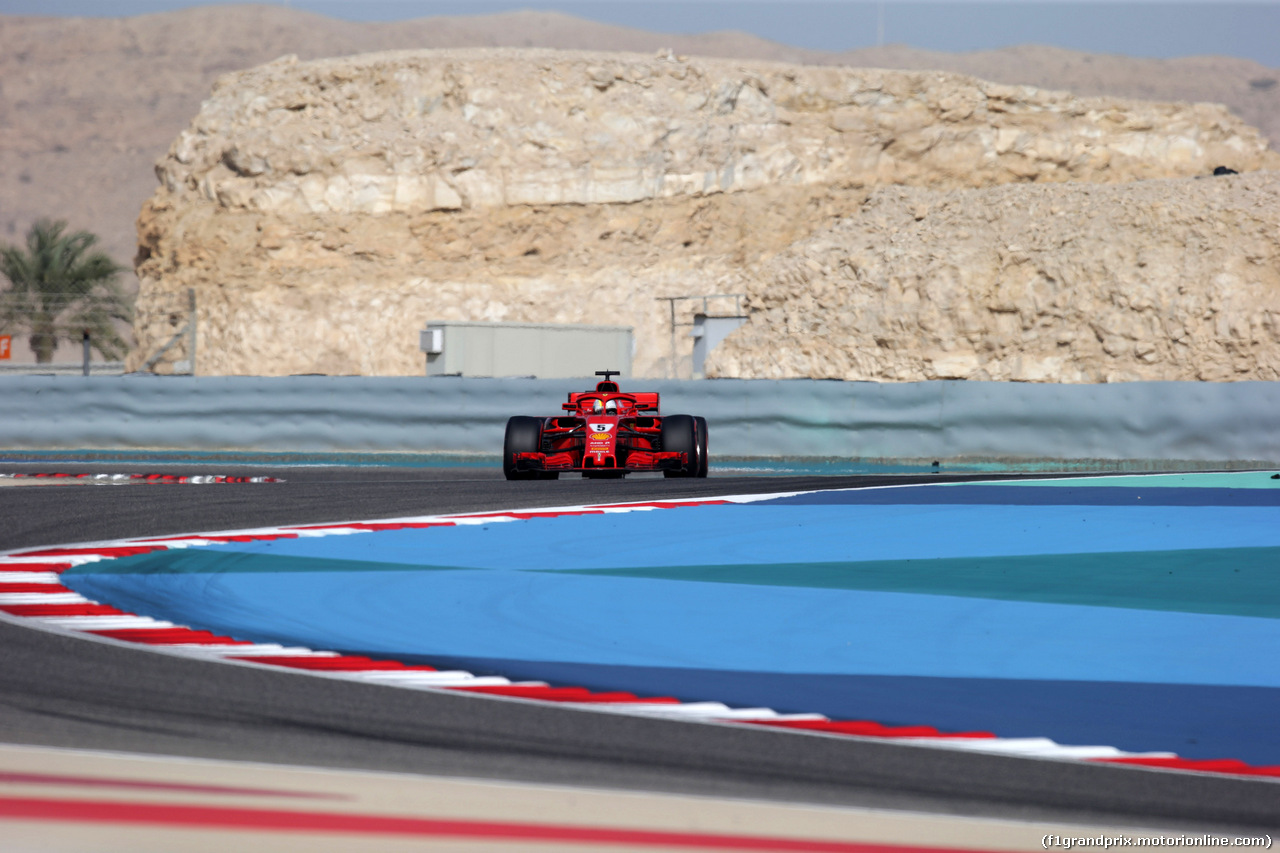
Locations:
(1170, 279)
(325, 211)
(414, 132)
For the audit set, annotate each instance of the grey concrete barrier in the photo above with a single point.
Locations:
(1153, 421)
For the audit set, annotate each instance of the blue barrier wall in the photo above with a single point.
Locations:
(1153, 421)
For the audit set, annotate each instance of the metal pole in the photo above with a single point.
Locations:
(191, 326)
(672, 303)
(86, 352)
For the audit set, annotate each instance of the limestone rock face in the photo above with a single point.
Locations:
(325, 211)
(1168, 279)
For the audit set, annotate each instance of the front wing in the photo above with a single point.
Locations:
(637, 460)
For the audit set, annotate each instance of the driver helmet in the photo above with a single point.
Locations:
(611, 407)
(597, 406)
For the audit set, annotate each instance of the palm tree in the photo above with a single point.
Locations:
(61, 289)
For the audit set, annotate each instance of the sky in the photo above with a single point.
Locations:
(1149, 28)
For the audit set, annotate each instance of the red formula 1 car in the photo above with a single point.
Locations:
(605, 433)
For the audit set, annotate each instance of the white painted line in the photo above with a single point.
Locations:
(43, 598)
(103, 623)
(212, 649)
(31, 577)
(396, 676)
(463, 680)
(749, 714)
(707, 710)
(651, 709)
(263, 650)
(73, 560)
(338, 531)
(697, 710)
(1032, 746)
(182, 543)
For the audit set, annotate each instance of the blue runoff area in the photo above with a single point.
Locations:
(1142, 619)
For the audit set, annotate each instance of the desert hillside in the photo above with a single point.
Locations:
(324, 211)
(88, 105)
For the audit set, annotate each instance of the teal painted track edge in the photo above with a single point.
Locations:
(1254, 594)
(1265, 479)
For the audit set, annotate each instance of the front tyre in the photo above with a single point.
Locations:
(680, 435)
(524, 435)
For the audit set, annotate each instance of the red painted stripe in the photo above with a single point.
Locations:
(51, 588)
(866, 728)
(1225, 765)
(57, 568)
(90, 811)
(134, 784)
(62, 610)
(107, 553)
(169, 636)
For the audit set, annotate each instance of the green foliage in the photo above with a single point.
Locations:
(60, 288)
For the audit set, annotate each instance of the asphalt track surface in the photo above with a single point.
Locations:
(58, 690)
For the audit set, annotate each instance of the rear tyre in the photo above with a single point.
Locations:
(524, 435)
(680, 435)
(703, 461)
